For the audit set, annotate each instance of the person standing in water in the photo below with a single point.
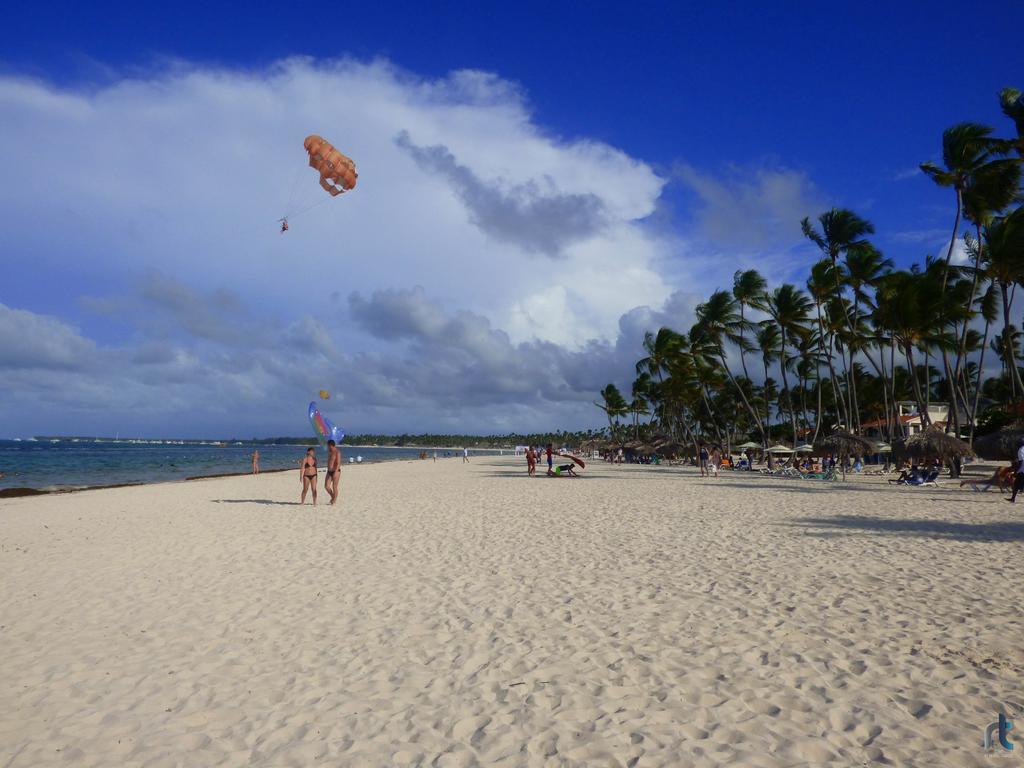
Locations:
(307, 474)
(333, 470)
(256, 461)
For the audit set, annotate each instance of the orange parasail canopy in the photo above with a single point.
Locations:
(337, 172)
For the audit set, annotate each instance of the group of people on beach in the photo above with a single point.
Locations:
(710, 462)
(533, 455)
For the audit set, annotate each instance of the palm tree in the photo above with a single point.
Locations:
(660, 349)
(910, 306)
(704, 355)
(680, 394)
(614, 407)
(966, 147)
(719, 321)
(821, 285)
(1012, 102)
(748, 288)
(768, 338)
(788, 307)
(638, 406)
(1004, 258)
(992, 187)
(841, 231)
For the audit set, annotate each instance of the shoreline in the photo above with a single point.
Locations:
(17, 492)
(125, 477)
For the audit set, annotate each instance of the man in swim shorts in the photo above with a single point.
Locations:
(550, 452)
(333, 470)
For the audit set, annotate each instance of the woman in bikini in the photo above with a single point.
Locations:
(307, 472)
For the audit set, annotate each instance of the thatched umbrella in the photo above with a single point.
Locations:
(639, 447)
(747, 446)
(673, 448)
(1001, 445)
(934, 443)
(844, 445)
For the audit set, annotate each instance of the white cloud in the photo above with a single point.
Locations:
(28, 341)
(960, 255)
(907, 173)
(922, 236)
(498, 281)
(188, 171)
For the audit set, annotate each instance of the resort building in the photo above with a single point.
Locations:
(910, 419)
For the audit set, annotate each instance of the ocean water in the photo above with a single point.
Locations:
(66, 464)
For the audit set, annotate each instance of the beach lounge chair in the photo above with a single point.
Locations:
(920, 480)
(827, 475)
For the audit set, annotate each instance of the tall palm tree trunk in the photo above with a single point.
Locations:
(977, 386)
(961, 353)
(767, 407)
(840, 403)
(817, 386)
(785, 383)
(743, 396)
(885, 397)
(952, 239)
(895, 401)
(953, 390)
(908, 350)
(1008, 344)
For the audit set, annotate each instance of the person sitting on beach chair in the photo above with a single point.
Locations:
(907, 476)
(919, 478)
(1002, 478)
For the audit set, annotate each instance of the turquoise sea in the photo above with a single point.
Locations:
(45, 465)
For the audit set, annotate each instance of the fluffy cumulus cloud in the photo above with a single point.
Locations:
(484, 275)
(540, 221)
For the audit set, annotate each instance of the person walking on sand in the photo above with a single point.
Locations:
(465, 455)
(531, 461)
(704, 461)
(333, 470)
(307, 475)
(716, 460)
(256, 461)
(1018, 478)
(550, 451)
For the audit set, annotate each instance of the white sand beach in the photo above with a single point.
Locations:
(459, 615)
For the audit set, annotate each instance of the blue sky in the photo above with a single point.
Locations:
(686, 140)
